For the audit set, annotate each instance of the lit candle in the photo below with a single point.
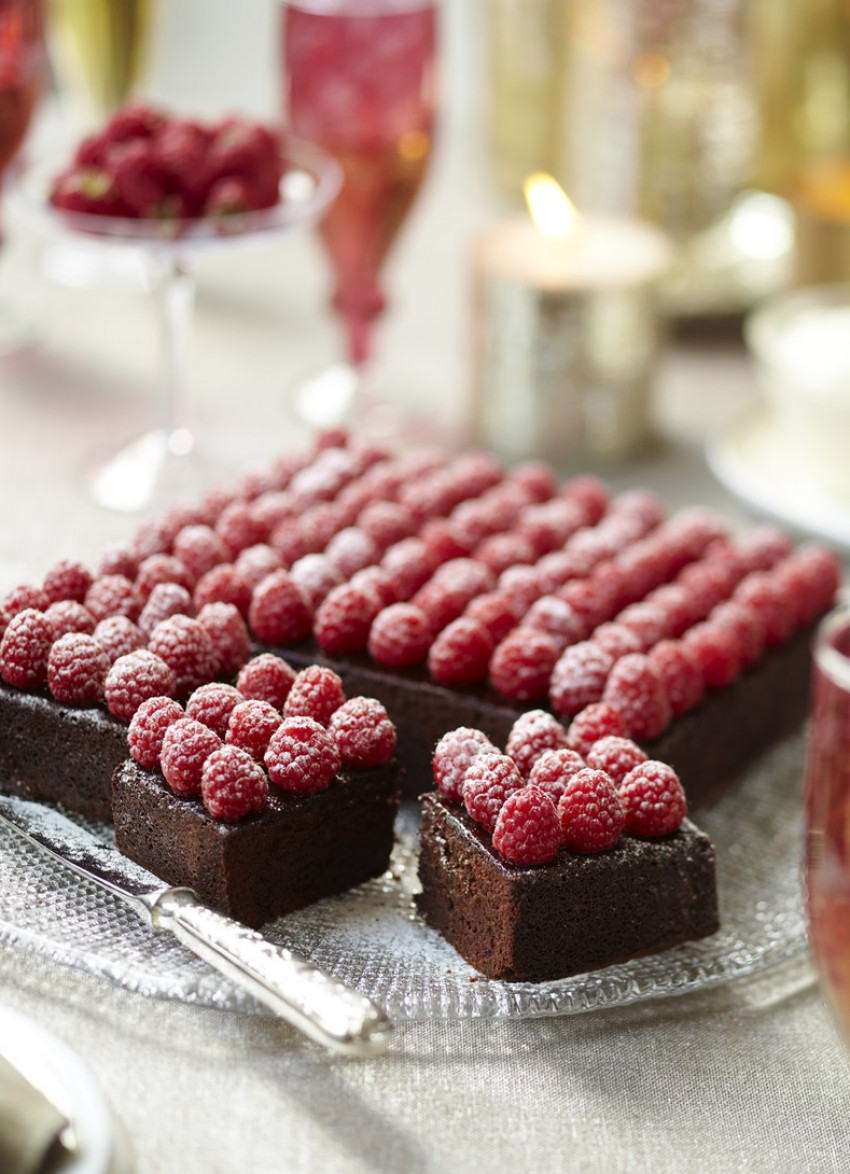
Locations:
(567, 330)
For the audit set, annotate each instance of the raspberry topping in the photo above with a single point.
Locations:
(117, 636)
(76, 669)
(635, 688)
(279, 613)
(266, 678)
(532, 734)
(351, 550)
(453, 756)
(67, 579)
(117, 560)
(386, 522)
(315, 576)
(554, 769)
(680, 674)
(363, 732)
(165, 600)
(147, 729)
(820, 578)
(617, 640)
(522, 665)
(500, 551)
(251, 726)
(762, 547)
(223, 584)
(491, 778)
(400, 636)
(228, 633)
(615, 756)
(186, 745)
(199, 549)
(714, 646)
(25, 596)
(495, 611)
(113, 595)
(160, 568)
(648, 621)
(68, 616)
(233, 784)
(590, 812)
(594, 722)
(653, 800)
(343, 621)
(316, 692)
(557, 619)
(135, 677)
(256, 562)
(761, 593)
(409, 565)
(461, 653)
(185, 646)
(24, 649)
(578, 678)
(238, 527)
(213, 704)
(527, 831)
(302, 756)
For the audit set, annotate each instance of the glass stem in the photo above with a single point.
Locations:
(176, 305)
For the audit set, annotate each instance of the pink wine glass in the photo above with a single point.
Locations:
(359, 81)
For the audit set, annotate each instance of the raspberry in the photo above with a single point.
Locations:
(677, 606)
(67, 580)
(532, 734)
(256, 562)
(408, 565)
(590, 812)
(351, 550)
(522, 586)
(117, 636)
(148, 726)
(213, 704)
(228, 633)
(557, 619)
(495, 611)
(554, 769)
(76, 669)
(386, 522)
(461, 653)
(25, 596)
(500, 551)
(154, 536)
(536, 477)
(615, 756)
(522, 665)
(134, 678)
(186, 745)
(578, 678)
(680, 674)
(268, 511)
(439, 604)
(400, 636)
(694, 529)
(316, 692)
(586, 602)
(266, 678)
(113, 595)
(761, 547)
(166, 600)
(617, 640)
(527, 830)
(647, 620)
(233, 784)
(594, 722)
(25, 648)
(715, 648)
(491, 778)
(760, 593)
(251, 726)
(223, 584)
(185, 646)
(160, 568)
(279, 613)
(818, 574)
(302, 756)
(117, 560)
(238, 527)
(653, 800)
(706, 585)
(464, 577)
(343, 621)
(315, 576)
(200, 549)
(549, 526)
(375, 579)
(453, 756)
(4, 620)
(590, 493)
(635, 688)
(363, 732)
(68, 616)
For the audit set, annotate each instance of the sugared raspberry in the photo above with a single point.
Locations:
(536, 478)
(363, 732)
(761, 547)
(444, 541)
(266, 678)
(228, 633)
(706, 585)
(634, 688)
(160, 568)
(532, 734)
(590, 493)
(184, 645)
(343, 621)
(522, 665)
(279, 613)
(677, 606)
(213, 704)
(400, 636)
(351, 550)
(134, 678)
(251, 726)
(616, 639)
(113, 595)
(239, 528)
(715, 647)
(595, 721)
(290, 542)
(527, 830)
(615, 756)
(554, 769)
(653, 800)
(375, 579)
(165, 600)
(200, 549)
(760, 593)
(500, 551)
(315, 576)
(223, 584)
(256, 562)
(153, 536)
(117, 636)
(488, 782)
(557, 619)
(386, 522)
(233, 784)
(302, 756)
(586, 602)
(578, 678)
(453, 756)
(117, 560)
(23, 597)
(816, 575)
(409, 566)
(66, 615)
(147, 729)
(548, 527)
(25, 648)
(495, 610)
(522, 586)
(648, 621)
(4, 620)
(590, 812)
(67, 579)
(680, 674)
(76, 669)
(316, 692)
(461, 653)
(268, 510)
(186, 745)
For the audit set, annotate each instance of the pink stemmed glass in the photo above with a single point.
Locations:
(359, 81)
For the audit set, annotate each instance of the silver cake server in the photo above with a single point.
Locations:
(292, 987)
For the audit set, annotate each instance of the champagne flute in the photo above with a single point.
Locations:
(359, 80)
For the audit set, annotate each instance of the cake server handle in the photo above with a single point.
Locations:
(317, 1004)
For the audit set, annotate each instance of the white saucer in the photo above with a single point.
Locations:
(752, 460)
(59, 1073)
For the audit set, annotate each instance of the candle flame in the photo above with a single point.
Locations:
(551, 209)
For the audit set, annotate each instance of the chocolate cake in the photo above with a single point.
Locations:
(578, 913)
(296, 851)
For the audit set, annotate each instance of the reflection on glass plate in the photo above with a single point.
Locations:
(372, 939)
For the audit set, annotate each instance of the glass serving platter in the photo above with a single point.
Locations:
(373, 940)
